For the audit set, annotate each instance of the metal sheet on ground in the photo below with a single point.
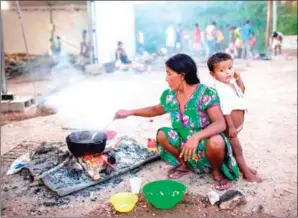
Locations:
(129, 156)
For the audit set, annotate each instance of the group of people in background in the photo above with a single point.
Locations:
(241, 40)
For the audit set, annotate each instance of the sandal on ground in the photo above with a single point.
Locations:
(178, 172)
(222, 187)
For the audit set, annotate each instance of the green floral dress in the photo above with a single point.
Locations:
(194, 119)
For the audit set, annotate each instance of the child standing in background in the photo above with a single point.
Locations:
(252, 44)
(220, 37)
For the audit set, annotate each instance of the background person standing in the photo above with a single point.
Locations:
(246, 31)
(197, 39)
(170, 39)
(179, 37)
(211, 38)
(141, 46)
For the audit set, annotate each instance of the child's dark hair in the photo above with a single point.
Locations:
(217, 58)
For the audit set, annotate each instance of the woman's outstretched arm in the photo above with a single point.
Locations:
(151, 111)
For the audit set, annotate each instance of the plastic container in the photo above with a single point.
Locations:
(164, 194)
(135, 184)
(124, 202)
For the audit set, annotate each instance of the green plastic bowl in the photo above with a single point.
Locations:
(164, 194)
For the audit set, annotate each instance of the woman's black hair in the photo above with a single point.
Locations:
(119, 43)
(217, 58)
(184, 64)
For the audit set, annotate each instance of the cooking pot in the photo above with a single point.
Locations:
(83, 142)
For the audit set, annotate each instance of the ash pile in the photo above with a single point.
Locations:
(64, 174)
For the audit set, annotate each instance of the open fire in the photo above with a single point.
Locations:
(64, 174)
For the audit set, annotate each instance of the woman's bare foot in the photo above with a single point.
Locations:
(252, 177)
(177, 172)
(253, 171)
(172, 169)
(221, 183)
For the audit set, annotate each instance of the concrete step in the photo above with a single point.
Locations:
(19, 104)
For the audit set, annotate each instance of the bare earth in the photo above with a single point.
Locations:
(269, 139)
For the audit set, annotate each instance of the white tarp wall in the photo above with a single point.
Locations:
(69, 25)
(115, 21)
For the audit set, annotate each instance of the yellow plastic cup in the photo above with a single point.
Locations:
(124, 202)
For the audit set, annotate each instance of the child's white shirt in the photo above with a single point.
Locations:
(229, 99)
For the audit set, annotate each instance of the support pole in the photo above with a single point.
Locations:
(268, 27)
(22, 27)
(95, 50)
(52, 22)
(50, 4)
(90, 32)
(3, 79)
(52, 33)
(25, 41)
(274, 16)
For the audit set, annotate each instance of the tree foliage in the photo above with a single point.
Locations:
(153, 18)
(287, 19)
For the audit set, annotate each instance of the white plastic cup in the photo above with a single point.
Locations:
(135, 184)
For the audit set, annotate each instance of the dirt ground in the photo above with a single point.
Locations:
(269, 139)
(190, 206)
(31, 113)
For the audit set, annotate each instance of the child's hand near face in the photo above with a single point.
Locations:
(236, 75)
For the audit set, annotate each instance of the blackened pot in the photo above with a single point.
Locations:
(86, 142)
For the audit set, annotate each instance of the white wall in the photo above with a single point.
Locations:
(114, 22)
(289, 42)
(69, 26)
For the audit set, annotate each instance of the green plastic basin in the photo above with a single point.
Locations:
(164, 194)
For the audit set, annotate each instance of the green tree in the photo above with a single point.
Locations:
(287, 19)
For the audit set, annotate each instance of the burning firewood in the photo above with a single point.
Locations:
(94, 164)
